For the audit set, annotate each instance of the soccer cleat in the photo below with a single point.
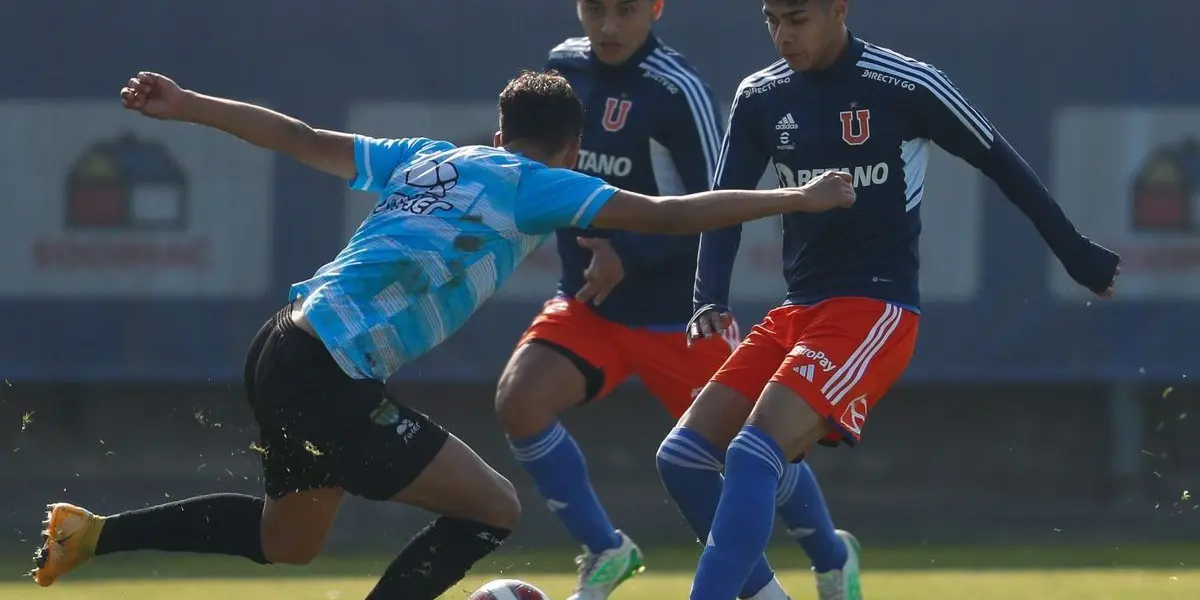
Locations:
(843, 583)
(68, 541)
(600, 574)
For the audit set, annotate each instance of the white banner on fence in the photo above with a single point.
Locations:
(952, 211)
(101, 202)
(1130, 179)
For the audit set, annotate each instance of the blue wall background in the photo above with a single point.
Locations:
(1018, 61)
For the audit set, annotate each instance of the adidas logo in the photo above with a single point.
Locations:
(807, 371)
(787, 123)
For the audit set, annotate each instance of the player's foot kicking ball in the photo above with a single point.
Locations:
(68, 541)
(843, 583)
(600, 574)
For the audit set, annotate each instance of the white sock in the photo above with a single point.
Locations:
(771, 591)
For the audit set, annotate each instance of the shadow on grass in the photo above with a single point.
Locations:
(666, 560)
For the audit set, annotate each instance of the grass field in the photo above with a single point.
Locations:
(925, 573)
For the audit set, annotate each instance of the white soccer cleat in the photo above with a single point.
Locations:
(600, 574)
(843, 583)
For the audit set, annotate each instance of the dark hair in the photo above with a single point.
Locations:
(541, 109)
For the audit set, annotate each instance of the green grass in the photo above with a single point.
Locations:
(1093, 573)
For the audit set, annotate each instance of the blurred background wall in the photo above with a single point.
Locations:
(1029, 411)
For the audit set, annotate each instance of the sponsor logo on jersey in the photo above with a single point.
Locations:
(603, 164)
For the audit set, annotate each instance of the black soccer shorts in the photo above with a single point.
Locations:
(320, 428)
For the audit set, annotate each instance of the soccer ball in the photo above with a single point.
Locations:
(508, 589)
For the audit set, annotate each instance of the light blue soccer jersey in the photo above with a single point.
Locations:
(450, 226)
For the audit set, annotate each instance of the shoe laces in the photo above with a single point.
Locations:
(830, 586)
(588, 563)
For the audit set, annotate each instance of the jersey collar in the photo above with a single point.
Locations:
(847, 61)
(634, 61)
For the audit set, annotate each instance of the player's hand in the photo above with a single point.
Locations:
(709, 321)
(605, 272)
(1095, 268)
(155, 96)
(827, 191)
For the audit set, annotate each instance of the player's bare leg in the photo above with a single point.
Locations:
(479, 509)
(460, 485)
(717, 414)
(788, 420)
(295, 526)
(538, 384)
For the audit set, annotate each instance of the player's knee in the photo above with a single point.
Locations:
(523, 410)
(286, 550)
(686, 449)
(717, 414)
(527, 402)
(499, 506)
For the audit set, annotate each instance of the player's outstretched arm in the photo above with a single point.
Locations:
(159, 97)
(706, 211)
(955, 125)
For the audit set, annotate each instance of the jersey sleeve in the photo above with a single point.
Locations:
(693, 137)
(690, 142)
(376, 158)
(549, 199)
(950, 121)
(740, 165)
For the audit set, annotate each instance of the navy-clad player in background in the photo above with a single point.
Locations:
(624, 299)
(835, 102)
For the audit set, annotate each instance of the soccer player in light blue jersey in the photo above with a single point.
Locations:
(449, 227)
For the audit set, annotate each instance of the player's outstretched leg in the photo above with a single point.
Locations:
(539, 383)
(479, 509)
(218, 524)
(780, 427)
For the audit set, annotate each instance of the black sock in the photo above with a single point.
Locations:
(218, 524)
(438, 557)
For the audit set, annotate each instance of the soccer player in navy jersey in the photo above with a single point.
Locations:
(651, 125)
(449, 227)
(814, 368)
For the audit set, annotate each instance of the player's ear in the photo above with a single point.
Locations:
(657, 8)
(838, 9)
(497, 140)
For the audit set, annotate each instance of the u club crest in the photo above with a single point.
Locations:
(616, 113)
(856, 125)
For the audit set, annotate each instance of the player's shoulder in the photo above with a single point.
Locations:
(673, 72)
(424, 145)
(571, 50)
(891, 69)
(765, 81)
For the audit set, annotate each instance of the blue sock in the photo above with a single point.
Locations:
(740, 532)
(553, 459)
(690, 468)
(803, 510)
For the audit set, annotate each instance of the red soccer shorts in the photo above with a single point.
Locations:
(674, 373)
(840, 355)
